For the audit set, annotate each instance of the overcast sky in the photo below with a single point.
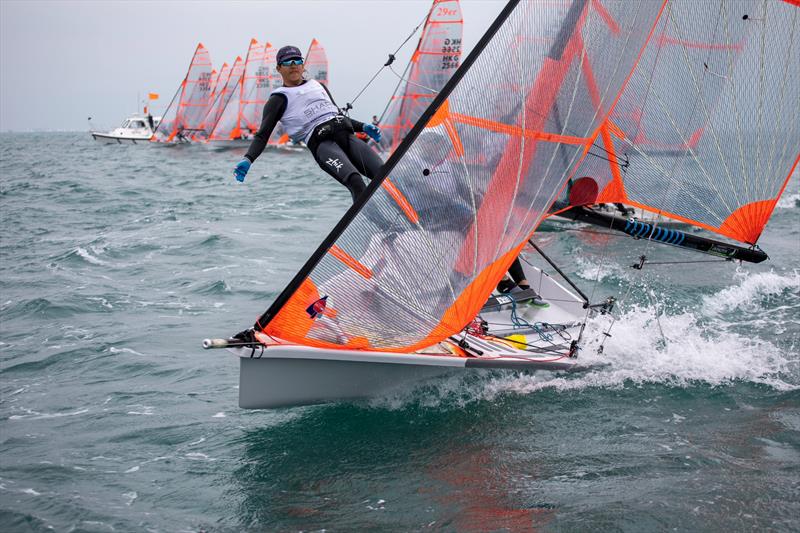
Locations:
(63, 61)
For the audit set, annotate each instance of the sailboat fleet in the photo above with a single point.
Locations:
(224, 108)
(687, 110)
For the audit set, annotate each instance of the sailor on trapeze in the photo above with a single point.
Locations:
(308, 113)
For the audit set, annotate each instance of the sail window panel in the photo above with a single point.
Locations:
(429, 278)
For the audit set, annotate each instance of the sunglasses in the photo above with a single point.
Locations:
(290, 62)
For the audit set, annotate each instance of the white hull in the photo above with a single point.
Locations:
(110, 138)
(282, 374)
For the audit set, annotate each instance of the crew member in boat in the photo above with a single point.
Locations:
(307, 112)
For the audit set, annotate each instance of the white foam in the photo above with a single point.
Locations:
(32, 492)
(594, 270)
(219, 415)
(697, 347)
(788, 201)
(130, 497)
(123, 350)
(34, 415)
(199, 456)
(132, 469)
(89, 257)
(690, 352)
(146, 410)
(749, 294)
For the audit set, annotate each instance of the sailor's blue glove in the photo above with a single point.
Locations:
(373, 131)
(240, 171)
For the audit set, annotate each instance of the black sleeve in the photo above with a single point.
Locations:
(357, 126)
(273, 111)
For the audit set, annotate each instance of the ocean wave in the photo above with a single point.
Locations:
(754, 293)
(789, 201)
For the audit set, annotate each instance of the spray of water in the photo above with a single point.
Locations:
(698, 346)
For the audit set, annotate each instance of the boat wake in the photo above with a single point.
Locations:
(701, 346)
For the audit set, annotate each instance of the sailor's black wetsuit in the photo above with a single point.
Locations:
(333, 143)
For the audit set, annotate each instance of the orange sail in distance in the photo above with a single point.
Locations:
(185, 113)
(436, 57)
(316, 63)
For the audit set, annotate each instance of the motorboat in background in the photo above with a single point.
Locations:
(135, 129)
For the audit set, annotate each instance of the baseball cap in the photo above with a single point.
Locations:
(288, 52)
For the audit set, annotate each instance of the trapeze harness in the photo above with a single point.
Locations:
(308, 113)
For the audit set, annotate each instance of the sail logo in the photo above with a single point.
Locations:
(335, 163)
(317, 308)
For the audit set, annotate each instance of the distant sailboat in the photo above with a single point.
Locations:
(213, 110)
(435, 59)
(188, 107)
(316, 63)
(241, 114)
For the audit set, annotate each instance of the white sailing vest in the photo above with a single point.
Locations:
(307, 106)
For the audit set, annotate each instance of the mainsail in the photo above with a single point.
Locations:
(417, 255)
(436, 57)
(317, 63)
(708, 130)
(187, 115)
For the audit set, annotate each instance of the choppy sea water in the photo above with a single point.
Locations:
(117, 261)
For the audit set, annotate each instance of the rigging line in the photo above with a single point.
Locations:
(624, 166)
(434, 91)
(389, 62)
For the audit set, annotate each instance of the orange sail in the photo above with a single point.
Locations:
(241, 116)
(707, 131)
(217, 90)
(416, 257)
(317, 63)
(228, 106)
(185, 116)
(437, 56)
